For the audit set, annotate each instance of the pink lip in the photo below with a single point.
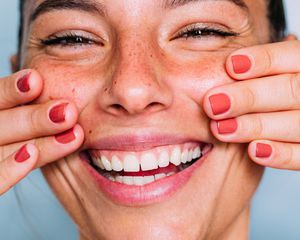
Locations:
(156, 191)
(137, 142)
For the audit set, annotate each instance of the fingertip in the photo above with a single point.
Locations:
(79, 134)
(239, 64)
(28, 154)
(71, 113)
(32, 150)
(261, 152)
(29, 83)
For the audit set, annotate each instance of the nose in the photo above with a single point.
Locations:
(135, 86)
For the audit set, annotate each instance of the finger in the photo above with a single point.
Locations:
(20, 88)
(275, 154)
(32, 121)
(55, 147)
(17, 166)
(277, 126)
(267, 94)
(263, 60)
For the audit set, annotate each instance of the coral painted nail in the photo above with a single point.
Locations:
(263, 150)
(241, 63)
(57, 114)
(23, 83)
(220, 103)
(227, 126)
(66, 137)
(22, 155)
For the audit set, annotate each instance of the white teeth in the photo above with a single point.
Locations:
(159, 176)
(148, 179)
(131, 163)
(196, 153)
(145, 161)
(111, 178)
(170, 174)
(190, 156)
(184, 156)
(97, 161)
(175, 156)
(116, 164)
(138, 181)
(119, 179)
(128, 180)
(106, 163)
(148, 162)
(163, 160)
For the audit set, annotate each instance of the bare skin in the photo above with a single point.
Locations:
(134, 56)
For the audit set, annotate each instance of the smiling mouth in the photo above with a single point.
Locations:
(144, 167)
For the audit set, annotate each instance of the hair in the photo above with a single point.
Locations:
(276, 16)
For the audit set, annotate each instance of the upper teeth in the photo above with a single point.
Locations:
(147, 160)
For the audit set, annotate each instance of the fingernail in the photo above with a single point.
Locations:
(227, 126)
(263, 150)
(23, 83)
(241, 63)
(22, 155)
(57, 114)
(220, 103)
(66, 137)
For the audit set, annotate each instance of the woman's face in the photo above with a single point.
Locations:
(138, 71)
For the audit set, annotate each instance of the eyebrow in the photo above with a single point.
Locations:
(81, 5)
(93, 6)
(178, 3)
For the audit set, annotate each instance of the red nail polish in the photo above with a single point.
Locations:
(57, 114)
(241, 64)
(263, 150)
(227, 126)
(23, 83)
(22, 155)
(220, 103)
(66, 137)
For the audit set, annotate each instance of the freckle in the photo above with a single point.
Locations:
(151, 55)
(115, 82)
(90, 132)
(105, 90)
(51, 98)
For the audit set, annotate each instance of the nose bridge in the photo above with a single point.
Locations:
(134, 59)
(134, 83)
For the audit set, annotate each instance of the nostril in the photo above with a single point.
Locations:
(137, 109)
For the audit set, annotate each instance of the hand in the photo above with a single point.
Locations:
(32, 135)
(263, 107)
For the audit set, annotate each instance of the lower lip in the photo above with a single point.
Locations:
(130, 195)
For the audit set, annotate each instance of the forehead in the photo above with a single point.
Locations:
(31, 5)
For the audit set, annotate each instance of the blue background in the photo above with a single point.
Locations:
(36, 214)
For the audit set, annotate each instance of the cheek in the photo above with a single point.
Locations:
(63, 82)
(195, 78)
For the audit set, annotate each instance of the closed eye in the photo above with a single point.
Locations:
(203, 32)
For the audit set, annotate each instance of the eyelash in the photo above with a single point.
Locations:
(69, 39)
(200, 32)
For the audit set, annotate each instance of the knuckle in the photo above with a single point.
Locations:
(256, 123)
(288, 156)
(268, 60)
(7, 97)
(33, 121)
(4, 173)
(249, 97)
(294, 87)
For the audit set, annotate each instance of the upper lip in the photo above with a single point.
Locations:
(137, 142)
